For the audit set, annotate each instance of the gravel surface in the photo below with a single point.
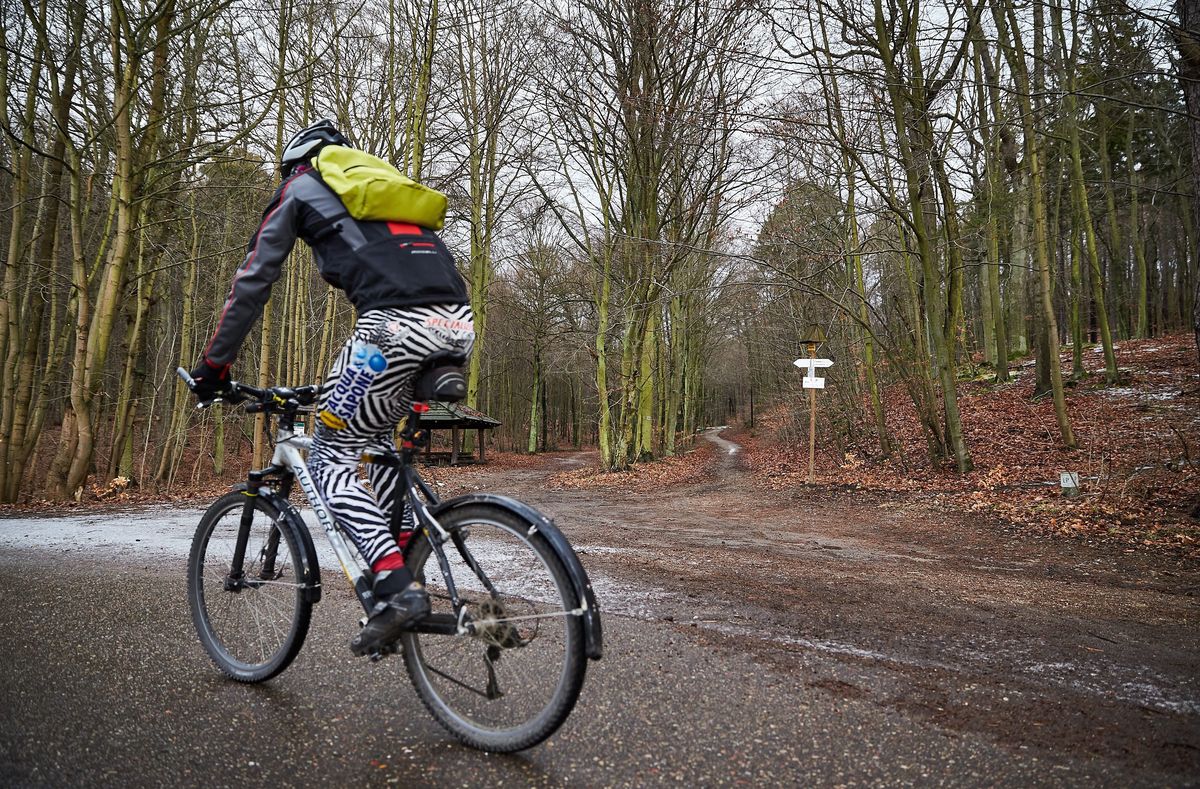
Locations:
(791, 640)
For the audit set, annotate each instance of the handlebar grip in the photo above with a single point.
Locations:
(231, 396)
(307, 395)
(239, 392)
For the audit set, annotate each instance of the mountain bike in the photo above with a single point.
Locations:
(500, 659)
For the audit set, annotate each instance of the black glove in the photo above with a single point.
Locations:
(211, 380)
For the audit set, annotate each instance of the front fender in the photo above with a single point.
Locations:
(593, 635)
(308, 570)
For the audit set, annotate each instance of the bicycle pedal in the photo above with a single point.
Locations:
(379, 653)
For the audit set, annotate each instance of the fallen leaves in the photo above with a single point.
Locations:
(1136, 461)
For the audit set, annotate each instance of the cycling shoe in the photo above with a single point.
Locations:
(390, 618)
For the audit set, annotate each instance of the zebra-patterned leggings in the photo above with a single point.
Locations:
(366, 394)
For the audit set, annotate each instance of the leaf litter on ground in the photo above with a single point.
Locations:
(1138, 457)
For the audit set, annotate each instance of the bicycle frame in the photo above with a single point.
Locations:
(287, 455)
(288, 463)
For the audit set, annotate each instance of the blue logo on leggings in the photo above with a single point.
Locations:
(368, 355)
(366, 362)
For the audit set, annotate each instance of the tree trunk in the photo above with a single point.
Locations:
(418, 108)
(534, 401)
(1083, 211)
(1116, 290)
(21, 164)
(915, 141)
(1141, 322)
(1016, 55)
(133, 373)
(1077, 370)
(644, 449)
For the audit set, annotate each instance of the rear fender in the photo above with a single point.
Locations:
(593, 635)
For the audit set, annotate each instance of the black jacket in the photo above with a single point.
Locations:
(377, 264)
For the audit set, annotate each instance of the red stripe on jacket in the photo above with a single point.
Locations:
(246, 266)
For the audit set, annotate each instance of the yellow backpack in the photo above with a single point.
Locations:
(373, 190)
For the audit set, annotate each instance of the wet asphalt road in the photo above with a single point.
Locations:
(102, 683)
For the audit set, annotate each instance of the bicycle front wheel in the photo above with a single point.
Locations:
(251, 619)
(512, 681)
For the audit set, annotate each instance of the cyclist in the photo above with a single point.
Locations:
(411, 303)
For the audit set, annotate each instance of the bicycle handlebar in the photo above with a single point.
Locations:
(275, 398)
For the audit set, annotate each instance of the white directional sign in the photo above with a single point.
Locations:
(811, 382)
(812, 365)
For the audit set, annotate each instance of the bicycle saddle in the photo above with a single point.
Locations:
(440, 377)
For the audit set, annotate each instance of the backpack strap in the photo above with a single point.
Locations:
(330, 224)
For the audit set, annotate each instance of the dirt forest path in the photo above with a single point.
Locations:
(728, 453)
(1041, 644)
(813, 636)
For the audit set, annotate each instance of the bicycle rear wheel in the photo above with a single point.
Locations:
(513, 682)
(252, 625)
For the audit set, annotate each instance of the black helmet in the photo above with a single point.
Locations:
(307, 142)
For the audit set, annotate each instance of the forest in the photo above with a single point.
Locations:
(651, 202)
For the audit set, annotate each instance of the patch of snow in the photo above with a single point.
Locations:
(1129, 391)
(1043, 668)
(638, 601)
(600, 549)
(1166, 394)
(137, 532)
(821, 645)
(166, 533)
(1154, 696)
(1124, 683)
(729, 446)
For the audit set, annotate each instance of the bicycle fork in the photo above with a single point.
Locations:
(235, 581)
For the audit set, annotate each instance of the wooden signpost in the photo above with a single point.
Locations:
(812, 338)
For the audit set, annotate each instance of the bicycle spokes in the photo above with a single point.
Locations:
(459, 536)
(508, 675)
(249, 607)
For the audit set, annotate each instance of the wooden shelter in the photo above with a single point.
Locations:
(456, 417)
